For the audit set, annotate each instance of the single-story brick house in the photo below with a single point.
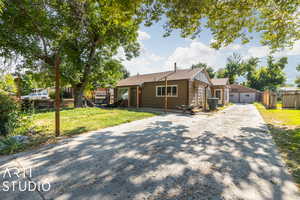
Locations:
(184, 87)
(243, 94)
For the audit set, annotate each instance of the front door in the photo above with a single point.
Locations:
(133, 97)
(218, 94)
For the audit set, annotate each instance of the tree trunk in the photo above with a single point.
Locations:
(79, 87)
(78, 96)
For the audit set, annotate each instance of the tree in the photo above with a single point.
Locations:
(80, 33)
(278, 21)
(269, 77)
(221, 73)
(211, 72)
(199, 65)
(209, 69)
(125, 72)
(94, 40)
(297, 81)
(234, 67)
(7, 83)
(249, 67)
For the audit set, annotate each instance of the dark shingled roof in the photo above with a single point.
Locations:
(179, 74)
(219, 81)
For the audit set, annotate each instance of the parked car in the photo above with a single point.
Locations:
(36, 95)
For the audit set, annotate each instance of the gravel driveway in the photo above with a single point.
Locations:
(228, 155)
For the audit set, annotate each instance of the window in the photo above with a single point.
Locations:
(122, 94)
(171, 91)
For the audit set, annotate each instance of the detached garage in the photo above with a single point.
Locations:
(242, 94)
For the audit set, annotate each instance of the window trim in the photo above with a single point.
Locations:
(163, 86)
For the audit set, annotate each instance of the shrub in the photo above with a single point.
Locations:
(12, 120)
(10, 145)
(52, 94)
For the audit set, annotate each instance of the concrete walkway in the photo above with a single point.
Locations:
(228, 155)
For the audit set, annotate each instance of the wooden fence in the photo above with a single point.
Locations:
(291, 99)
(269, 99)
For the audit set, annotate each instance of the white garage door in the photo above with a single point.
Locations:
(234, 97)
(247, 97)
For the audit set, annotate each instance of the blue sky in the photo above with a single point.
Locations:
(159, 53)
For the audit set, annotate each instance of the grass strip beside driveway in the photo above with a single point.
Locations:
(284, 125)
(74, 121)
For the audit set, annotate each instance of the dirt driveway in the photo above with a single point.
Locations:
(228, 155)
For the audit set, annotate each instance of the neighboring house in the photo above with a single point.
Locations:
(220, 89)
(243, 94)
(184, 87)
(103, 95)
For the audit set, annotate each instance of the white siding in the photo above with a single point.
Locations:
(202, 77)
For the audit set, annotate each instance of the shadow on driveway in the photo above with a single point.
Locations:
(160, 161)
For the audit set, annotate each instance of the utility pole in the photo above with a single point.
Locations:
(57, 95)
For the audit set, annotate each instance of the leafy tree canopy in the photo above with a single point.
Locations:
(221, 73)
(277, 21)
(234, 68)
(84, 33)
(81, 35)
(268, 77)
(7, 83)
(210, 70)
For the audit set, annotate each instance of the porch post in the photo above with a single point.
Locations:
(128, 97)
(223, 100)
(166, 94)
(205, 97)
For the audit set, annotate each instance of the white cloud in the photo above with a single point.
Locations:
(143, 36)
(263, 51)
(146, 62)
(259, 52)
(194, 53)
(295, 50)
(233, 47)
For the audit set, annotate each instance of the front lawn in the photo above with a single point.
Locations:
(289, 117)
(284, 125)
(76, 121)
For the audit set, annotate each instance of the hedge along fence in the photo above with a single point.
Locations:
(291, 99)
(269, 99)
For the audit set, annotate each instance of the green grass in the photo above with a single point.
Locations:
(284, 125)
(288, 117)
(79, 120)
(75, 121)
